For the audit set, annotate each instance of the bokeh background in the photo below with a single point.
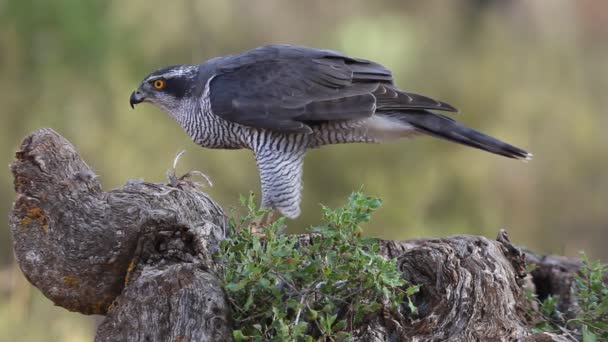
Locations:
(534, 73)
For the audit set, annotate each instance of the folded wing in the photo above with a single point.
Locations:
(288, 88)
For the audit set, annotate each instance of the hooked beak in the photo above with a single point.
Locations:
(136, 97)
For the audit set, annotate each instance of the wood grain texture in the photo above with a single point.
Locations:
(143, 256)
(472, 289)
(143, 248)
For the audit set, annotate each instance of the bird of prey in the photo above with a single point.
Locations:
(281, 100)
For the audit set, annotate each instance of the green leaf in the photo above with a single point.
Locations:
(339, 326)
(239, 336)
(589, 336)
(264, 283)
(249, 301)
(234, 287)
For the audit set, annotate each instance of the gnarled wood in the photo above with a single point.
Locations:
(80, 246)
(142, 255)
(471, 289)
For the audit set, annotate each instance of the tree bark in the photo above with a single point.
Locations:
(143, 256)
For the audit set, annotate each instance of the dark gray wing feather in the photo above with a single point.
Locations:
(286, 88)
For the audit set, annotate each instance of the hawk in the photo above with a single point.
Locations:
(281, 100)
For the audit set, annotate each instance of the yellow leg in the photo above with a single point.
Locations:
(257, 227)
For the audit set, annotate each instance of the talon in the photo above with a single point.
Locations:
(257, 227)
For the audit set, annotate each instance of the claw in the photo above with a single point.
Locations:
(257, 227)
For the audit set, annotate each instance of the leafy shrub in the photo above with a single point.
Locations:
(592, 295)
(591, 319)
(282, 287)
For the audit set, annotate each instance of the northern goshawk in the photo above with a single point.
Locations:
(282, 100)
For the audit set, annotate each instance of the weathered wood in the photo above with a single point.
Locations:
(179, 302)
(553, 275)
(142, 255)
(471, 291)
(80, 246)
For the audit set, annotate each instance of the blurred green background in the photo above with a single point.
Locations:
(534, 73)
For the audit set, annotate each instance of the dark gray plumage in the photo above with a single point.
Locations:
(281, 100)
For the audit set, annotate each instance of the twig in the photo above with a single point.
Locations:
(567, 332)
(299, 310)
(176, 160)
(587, 323)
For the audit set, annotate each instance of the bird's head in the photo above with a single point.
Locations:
(167, 88)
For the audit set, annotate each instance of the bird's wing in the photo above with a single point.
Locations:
(285, 88)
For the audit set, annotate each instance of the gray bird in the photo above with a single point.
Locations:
(281, 100)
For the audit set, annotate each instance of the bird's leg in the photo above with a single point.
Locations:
(185, 180)
(270, 218)
(281, 179)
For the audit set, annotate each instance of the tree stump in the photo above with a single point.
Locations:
(142, 255)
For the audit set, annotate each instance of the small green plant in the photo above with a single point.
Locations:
(551, 318)
(281, 287)
(591, 319)
(592, 295)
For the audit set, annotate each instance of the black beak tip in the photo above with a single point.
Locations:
(134, 99)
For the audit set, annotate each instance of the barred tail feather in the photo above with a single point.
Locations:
(443, 127)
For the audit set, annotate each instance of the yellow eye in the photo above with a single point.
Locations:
(158, 84)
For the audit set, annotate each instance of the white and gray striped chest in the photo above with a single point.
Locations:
(207, 129)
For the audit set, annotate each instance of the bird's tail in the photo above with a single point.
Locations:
(446, 128)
